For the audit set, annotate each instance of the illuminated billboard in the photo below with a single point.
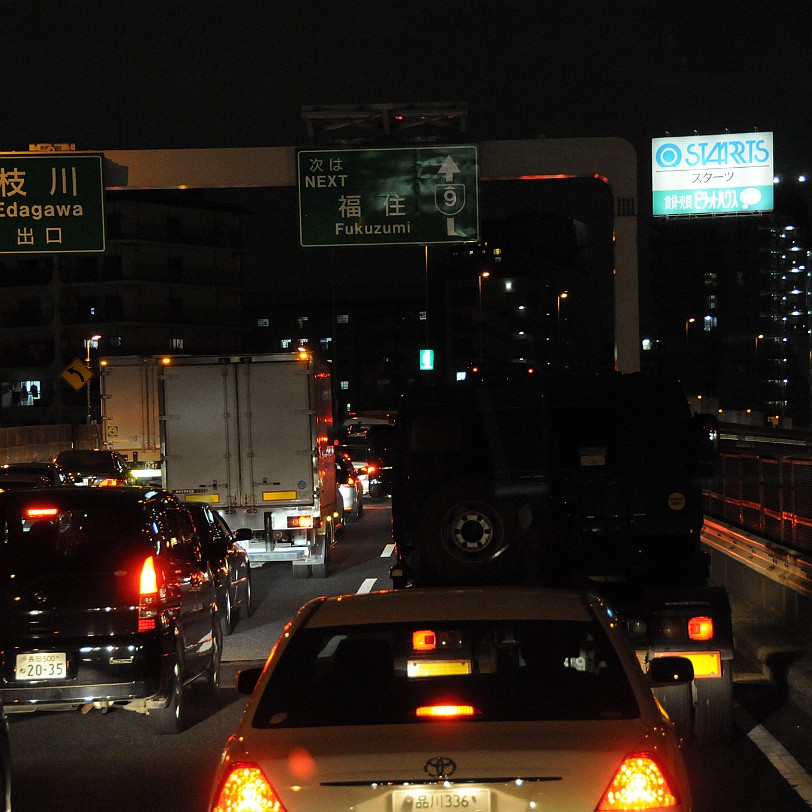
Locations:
(712, 174)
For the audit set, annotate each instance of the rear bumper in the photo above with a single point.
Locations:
(116, 672)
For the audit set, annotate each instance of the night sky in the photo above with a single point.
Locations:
(206, 73)
(228, 73)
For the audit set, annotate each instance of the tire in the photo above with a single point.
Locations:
(247, 608)
(469, 536)
(322, 570)
(713, 714)
(172, 718)
(359, 508)
(227, 615)
(678, 704)
(212, 672)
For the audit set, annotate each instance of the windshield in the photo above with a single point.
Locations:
(501, 671)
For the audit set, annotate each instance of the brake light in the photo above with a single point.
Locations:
(638, 784)
(371, 469)
(149, 589)
(700, 628)
(444, 711)
(248, 790)
(40, 513)
(300, 521)
(108, 483)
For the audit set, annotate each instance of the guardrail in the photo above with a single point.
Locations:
(779, 564)
(767, 493)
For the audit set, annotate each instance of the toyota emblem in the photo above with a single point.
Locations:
(440, 767)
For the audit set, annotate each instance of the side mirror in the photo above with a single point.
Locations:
(247, 679)
(664, 672)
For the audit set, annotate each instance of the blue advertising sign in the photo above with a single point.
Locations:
(712, 174)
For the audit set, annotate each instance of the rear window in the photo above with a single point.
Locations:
(90, 462)
(31, 529)
(495, 671)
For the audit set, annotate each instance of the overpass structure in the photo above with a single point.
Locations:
(612, 160)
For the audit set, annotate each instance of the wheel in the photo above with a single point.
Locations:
(248, 602)
(678, 704)
(713, 714)
(321, 570)
(171, 718)
(212, 673)
(227, 615)
(469, 535)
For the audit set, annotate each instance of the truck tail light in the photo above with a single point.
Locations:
(246, 788)
(700, 628)
(300, 521)
(639, 783)
(149, 592)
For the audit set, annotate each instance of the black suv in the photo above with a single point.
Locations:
(110, 603)
(95, 467)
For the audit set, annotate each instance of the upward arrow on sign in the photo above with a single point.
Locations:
(449, 168)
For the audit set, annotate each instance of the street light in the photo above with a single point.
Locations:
(562, 295)
(480, 277)
(88, 342)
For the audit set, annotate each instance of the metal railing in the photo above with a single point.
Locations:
(768, 494)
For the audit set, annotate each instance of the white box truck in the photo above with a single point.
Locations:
(251, 435)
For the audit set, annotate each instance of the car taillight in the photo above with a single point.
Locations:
(638, 784)
(248, 790)
(371, 469)
(700, 628)
(108, 483)
(41, 512)
(149, 592)
(444, 711)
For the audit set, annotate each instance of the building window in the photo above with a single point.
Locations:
(343, 318)
(302, 320)
(344, 385)
(116, 341)
(176, 344)
(263, 322)
(285, 343)
(423, 315)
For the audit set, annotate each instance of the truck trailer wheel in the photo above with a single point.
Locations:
(321, 570)
(468, 534)
(713, 713)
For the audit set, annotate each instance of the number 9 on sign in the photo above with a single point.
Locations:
(449, 198)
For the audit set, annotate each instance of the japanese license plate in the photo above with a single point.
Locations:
(467, 799)
(42, 665)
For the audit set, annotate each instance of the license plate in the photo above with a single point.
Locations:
(433, 800)
(42, 665)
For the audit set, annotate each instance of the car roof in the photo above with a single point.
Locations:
(464, 603)
(86, 495)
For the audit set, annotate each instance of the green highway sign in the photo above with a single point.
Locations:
(388, 196)
(51, 202)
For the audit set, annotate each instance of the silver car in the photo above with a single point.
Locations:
(482, 699)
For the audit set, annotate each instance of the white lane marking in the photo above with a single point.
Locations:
(783, 761)
(366, 586)
(388, 550)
